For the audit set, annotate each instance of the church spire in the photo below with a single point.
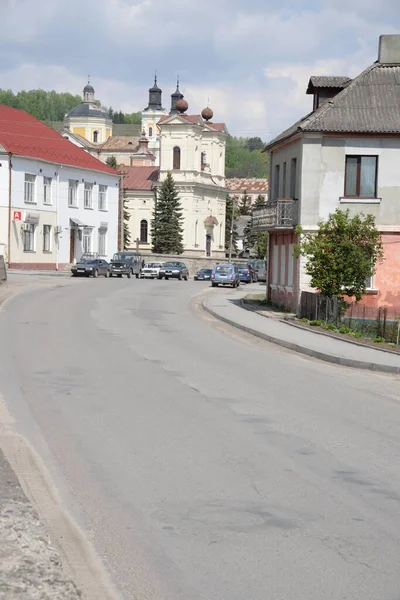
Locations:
(177, 95)
(155, 95)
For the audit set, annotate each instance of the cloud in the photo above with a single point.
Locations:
(252, 60)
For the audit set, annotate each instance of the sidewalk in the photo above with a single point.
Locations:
(227, 307)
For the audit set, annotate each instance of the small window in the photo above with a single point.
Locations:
(276, 181)
(46, 238)
(284, 181)
(369, 282)
(177, 159)
(361, 176)
(47, 190)
(102, 242)
(143, 231)
(102, 197)
(203, 161)
(88, 195)
(29, 191)
(72, 193)
(87, 240)
(29, 238)
(150, 132)
(293, 177)
(95, 136)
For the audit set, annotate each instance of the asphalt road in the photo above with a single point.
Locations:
(204, 464)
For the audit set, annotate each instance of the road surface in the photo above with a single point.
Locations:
(202, 463)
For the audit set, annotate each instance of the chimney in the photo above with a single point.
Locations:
(389, 49)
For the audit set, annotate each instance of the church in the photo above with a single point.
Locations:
(191, 147)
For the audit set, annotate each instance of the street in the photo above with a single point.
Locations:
(203, 463)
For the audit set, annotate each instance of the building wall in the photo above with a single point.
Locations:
(57, 214)
(150, 118)
(283, 271)
(285, 154)
(86, 126)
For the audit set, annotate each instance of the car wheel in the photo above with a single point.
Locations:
(166, 279)
(159, 277)
(110, 274)
(186, 277)
(74, 274)
(95, 273)
(137, 275)
(214, 284)
(107, 274)
(180, 276)
(119, 274)
(129, 275)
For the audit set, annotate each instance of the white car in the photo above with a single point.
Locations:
(151, 270)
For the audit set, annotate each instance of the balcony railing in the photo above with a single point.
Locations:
(281, 213)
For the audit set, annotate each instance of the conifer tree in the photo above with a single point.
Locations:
(166, 225)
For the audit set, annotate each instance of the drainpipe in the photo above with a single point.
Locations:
(9, 207)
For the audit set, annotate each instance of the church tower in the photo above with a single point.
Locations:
(175, 97)
(88, 119)
(150, 117)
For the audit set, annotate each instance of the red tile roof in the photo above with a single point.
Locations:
(196, 120)
(253, 184)
(139, 178)
(24, 135)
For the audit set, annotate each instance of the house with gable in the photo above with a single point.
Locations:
(344, 154)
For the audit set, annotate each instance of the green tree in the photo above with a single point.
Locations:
(250, 238)
(254, 143)
(342, 254)
(244, 208)
(166, 225)
(134, 118)
(112, 162)
(260, 201)
(242, 162)
(46, 106)
(231, 210)
(126, 216)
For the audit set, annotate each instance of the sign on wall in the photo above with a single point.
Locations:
(17, 215)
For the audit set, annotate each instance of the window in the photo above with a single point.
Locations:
(29, 192)
(29, 238)
(177, 159)
(275, 258)
(95, 136)
(369, 282)
(203, 161)
(150, 132)
(102, 197)
(102, 242)
(46, 238)
(361, 176)
(88, 193)
(72, 193)
(293, 178)
(284, 181)
(143, 231)
(282, 279)
(87, 240)
(290, 266)
(276, 181)
(47, 190)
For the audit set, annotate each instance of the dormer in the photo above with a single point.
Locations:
(325, 88)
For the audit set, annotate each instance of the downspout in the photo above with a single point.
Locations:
(9, 207)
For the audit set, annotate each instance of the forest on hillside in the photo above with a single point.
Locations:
(244, 157)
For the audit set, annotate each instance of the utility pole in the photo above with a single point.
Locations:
(121, 215)
(231, 231)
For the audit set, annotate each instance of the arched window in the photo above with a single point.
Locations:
(150, 132)
(143, 231)
(177, 159)
(95, 136)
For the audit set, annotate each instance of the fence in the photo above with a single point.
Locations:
(371, 322)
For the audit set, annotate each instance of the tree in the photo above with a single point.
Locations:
(46, 106)
(126, 216)
(342, 254)
(254, 143)
(250, 238)
(260, 200)
(242, 162)
(244, 208)
(231, 210)
(166, 225)
(112, 162)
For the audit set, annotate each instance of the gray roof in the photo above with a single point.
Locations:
(126, 129)
(88, 110)
(369, 104)
(338, 81)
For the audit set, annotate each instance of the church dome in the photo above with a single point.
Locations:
(88, 110)
(89, 89)
(182, 105)
(207, 114)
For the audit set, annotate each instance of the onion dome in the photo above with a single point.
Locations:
(182, 105)
(207, 114)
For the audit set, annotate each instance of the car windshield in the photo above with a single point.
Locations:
(223, 270)
(124, 257)
(242, 267)
(205, 271)
(172, 264)
(87, 261)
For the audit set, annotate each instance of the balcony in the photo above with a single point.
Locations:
(278, 214)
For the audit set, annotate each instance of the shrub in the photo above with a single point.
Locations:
(379, 340)
(330, 327)
(344, 330)
(316, 323)
(304, 320)
(392, 345)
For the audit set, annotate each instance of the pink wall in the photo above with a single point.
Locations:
(283, 271)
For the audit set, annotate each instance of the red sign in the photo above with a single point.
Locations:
(17, 216)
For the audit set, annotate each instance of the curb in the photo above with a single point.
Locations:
(344, 362)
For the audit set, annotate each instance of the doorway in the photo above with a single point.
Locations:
(71, 245)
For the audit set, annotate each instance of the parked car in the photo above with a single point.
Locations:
(260, 268)
(203, 275)
(151, 270)
(126, 263)
(225, 274)
(246, 272)
(91, 267)
(178, 270)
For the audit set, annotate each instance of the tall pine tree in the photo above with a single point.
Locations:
(231, 206)
(166, 225)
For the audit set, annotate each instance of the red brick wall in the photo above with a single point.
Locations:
(283, 283)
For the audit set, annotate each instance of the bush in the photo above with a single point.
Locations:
(304, 320)
(330, 327)
(316, 323)
(344, 330)
(379, 340)
(356, 334)
(392, 345)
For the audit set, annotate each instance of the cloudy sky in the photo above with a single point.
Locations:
(251, 59)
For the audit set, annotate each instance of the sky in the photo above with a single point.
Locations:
(249, 60)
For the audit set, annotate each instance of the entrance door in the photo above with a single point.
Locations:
(71, 245)
(208, 244)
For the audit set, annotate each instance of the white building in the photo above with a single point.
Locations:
(192, 148)
(56, 200)
(345, 154)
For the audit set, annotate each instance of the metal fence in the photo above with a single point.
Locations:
(382, 322)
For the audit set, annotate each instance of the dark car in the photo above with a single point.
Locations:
(203, 275)
(178, 270)
(246, 273)
(126, 263)
(91, 267)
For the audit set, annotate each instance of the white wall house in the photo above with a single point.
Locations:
(56, 201)
(345, 154)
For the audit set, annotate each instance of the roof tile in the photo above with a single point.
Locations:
(139, 178)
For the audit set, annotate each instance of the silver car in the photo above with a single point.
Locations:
(151, 270)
